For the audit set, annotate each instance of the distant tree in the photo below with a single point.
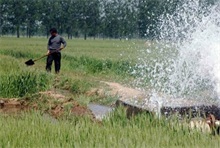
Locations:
(51, 15)
(107, 18)
(18, 14)
(94, 18)
(31, 17)
(1, 17)
(149, 12)
(4, 16)
(69, 17)
(119, 18)
(88, 17)
(111, 18)
(128, 21)
(12, 15)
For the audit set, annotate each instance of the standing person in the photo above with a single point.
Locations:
(55, 44)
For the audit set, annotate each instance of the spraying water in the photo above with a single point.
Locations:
(185, 60)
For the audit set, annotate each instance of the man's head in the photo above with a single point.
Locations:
(53, 31)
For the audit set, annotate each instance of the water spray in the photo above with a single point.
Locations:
(184, 62)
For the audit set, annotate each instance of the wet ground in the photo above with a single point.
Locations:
(100, 111)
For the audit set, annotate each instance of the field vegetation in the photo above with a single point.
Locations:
(84, 65)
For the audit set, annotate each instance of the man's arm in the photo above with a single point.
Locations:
(63, 42)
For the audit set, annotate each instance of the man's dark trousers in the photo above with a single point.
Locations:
(56, 57)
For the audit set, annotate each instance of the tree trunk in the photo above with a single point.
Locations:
(18, 31)
(27, 32)
(85, 36)
(47, 33)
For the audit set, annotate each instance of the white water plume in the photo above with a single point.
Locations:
(185, 61)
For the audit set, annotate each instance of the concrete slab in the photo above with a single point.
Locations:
(157, 103)
(180, 108)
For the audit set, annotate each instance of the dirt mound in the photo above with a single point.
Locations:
(70, 108)
(14, 105)
(80, 110)
(53, 94)
(50, 102)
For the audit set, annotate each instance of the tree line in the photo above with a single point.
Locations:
(87, 18)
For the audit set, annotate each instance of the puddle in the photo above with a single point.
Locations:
(100, 111)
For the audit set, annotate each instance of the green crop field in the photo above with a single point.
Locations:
(84, 65)
(90, 61)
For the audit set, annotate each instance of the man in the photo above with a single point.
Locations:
(54, 50)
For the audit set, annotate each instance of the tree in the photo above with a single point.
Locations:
(31, 17)
(88, 17)
(16, 14)
(94, 18)
(12, 16)
(127, 18)
(1, 16)
(69, 17)
(50, 14)
(119, 18)
(108, 18)
(149, 12)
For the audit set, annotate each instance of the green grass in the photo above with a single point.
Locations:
(99, 49)
(94, 66)
(22, 83)
(35, 130)
(109, 59)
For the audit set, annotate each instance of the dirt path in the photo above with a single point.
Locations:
(123, 92)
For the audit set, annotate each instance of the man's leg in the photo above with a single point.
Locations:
(50, 59)
(57, 61)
